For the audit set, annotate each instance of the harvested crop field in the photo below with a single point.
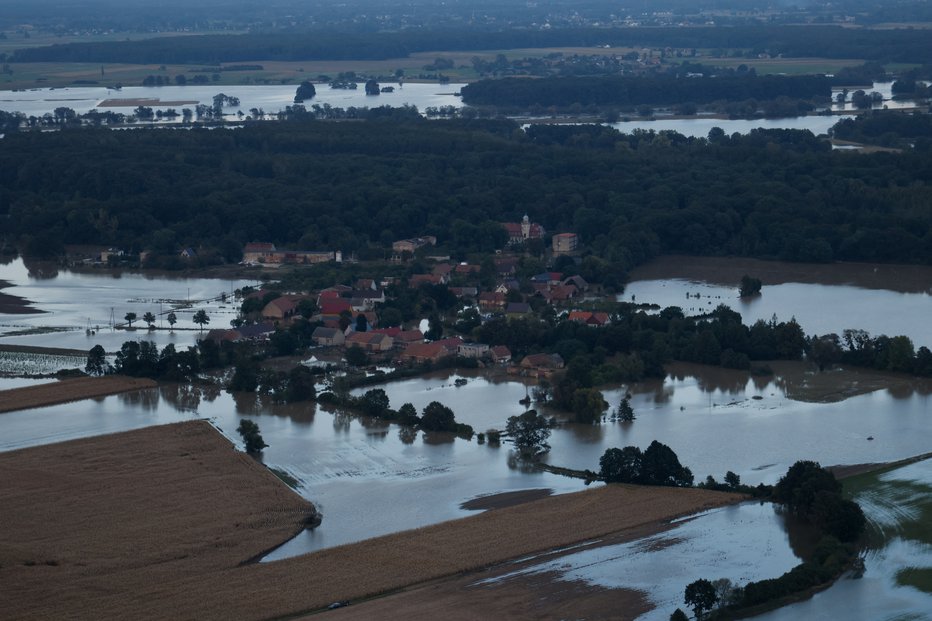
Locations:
(163, 523)
(69, 390)
(115, 526)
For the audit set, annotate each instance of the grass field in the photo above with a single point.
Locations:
(161, 523)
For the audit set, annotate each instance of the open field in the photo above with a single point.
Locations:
(161, 523)
(69, 390)
(90, 522)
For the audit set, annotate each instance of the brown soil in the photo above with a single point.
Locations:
(69, 390)
(49, 351)
(505, 499)
(100, 527)
(729, 270)
(158, 524)
(13, 304)
(844, 472)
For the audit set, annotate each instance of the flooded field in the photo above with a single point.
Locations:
(370, 478)
(898, 564)
(72, 303)
(723, 543)
(823, 298)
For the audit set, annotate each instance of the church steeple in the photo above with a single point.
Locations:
(526, 227)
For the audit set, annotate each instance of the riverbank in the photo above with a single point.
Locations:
(183, 513)
(69, 390)
(13, 304)
(729, 270)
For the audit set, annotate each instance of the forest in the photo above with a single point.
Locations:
(358, 185)
(893, 45)
(636, 90)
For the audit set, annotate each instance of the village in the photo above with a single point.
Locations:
(348, 322)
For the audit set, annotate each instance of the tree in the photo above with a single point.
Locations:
(529, 432)
(372, 87)
(96, 361)
(437, 417)
(732, 480)
(305, 91)
(621, 465)
(661, 466)
(356, 356)
(407, 415)
(251, 436)
(361, 323)
(678, 615)
(749, 286)
(374, 403)
(149, 318)
(624, 412)
(588, 405)
(172, 320)
(701, 596)
(300, 385)
(130, 318)
(201, 318)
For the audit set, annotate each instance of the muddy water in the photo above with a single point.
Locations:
(371, 478)
(724, 543)
(822, 298)
(73, 302)
(898, 505)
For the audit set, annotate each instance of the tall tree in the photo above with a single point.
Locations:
(201, 318)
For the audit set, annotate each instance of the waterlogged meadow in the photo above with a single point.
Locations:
(28, 363)
(897, 580)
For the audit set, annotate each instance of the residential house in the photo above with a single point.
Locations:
(405, 338)
(189, 253)
(501, 354)
(589, 318)
(365, 283)
(327, 337)
(464, 292)
(416, 280)
(491, 301)
(508, 285)
(425, 352)
(547, 278)
(466, 269)
(411, 245)
(370, 341)
(517, 309)
(330, 309)
(564, 243)
(472, 350)
(280, 308)
(258, 252)
(578, 281)
(442, 269)
(541, 365)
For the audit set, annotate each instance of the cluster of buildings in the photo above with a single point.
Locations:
(267, 254)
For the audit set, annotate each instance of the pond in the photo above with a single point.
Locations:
(71, 303)
(859, 296)
(270, 99)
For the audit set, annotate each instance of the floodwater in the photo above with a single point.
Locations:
(819, 308)
(74, 302)
(886, 91)
(371, 478)
(741, 543)
(270, 98)
(897, 505)
(699, 126)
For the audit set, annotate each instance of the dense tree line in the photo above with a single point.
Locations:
(888, 129)
(893, 45)
(636, 90)
(357, 186)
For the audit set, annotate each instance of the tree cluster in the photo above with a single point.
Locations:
(656, 465)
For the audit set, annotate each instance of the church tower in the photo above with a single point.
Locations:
(526, 227)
